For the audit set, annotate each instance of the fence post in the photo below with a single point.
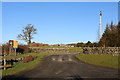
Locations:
(4, 62)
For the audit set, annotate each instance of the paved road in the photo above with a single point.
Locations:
(66, 67)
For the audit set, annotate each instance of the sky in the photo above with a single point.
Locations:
(57, 22)
(60, 0)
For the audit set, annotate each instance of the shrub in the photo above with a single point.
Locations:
(22, 49)
(37, 45)
(27, 59)
(5, 48)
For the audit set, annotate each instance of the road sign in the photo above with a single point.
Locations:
(13, 44)
(10, 43)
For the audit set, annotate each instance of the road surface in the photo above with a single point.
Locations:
(65, 67)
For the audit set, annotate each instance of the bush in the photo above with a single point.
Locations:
(37, 45)
(27, 59)
(22, 49)
(5, 48)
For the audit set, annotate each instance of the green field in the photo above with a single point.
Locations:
(100, 60)
(75, 50)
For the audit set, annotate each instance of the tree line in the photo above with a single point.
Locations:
(110, 38)
(88, 44)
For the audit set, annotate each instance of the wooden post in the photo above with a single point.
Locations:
(4, 62)
(15, 52)
(9, 51)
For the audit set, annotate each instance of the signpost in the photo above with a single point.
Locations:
(13, 45)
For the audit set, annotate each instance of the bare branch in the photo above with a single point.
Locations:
(28, 33)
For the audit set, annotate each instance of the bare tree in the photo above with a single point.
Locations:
(28, 33)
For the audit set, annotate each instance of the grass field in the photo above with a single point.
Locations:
(75, 50)
(101, 60)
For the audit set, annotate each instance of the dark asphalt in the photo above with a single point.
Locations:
(66, 67)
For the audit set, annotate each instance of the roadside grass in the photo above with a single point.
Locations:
(21, 55)
(23, 66)
(18, 67)
(100, 60)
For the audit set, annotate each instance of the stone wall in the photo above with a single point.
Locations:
(49, 50)
(86, 50)
(102, 50)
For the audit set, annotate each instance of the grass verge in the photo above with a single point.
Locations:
(30, 65)
(24, 66)
(100, 60)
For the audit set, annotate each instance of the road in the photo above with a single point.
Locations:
(67, 67)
